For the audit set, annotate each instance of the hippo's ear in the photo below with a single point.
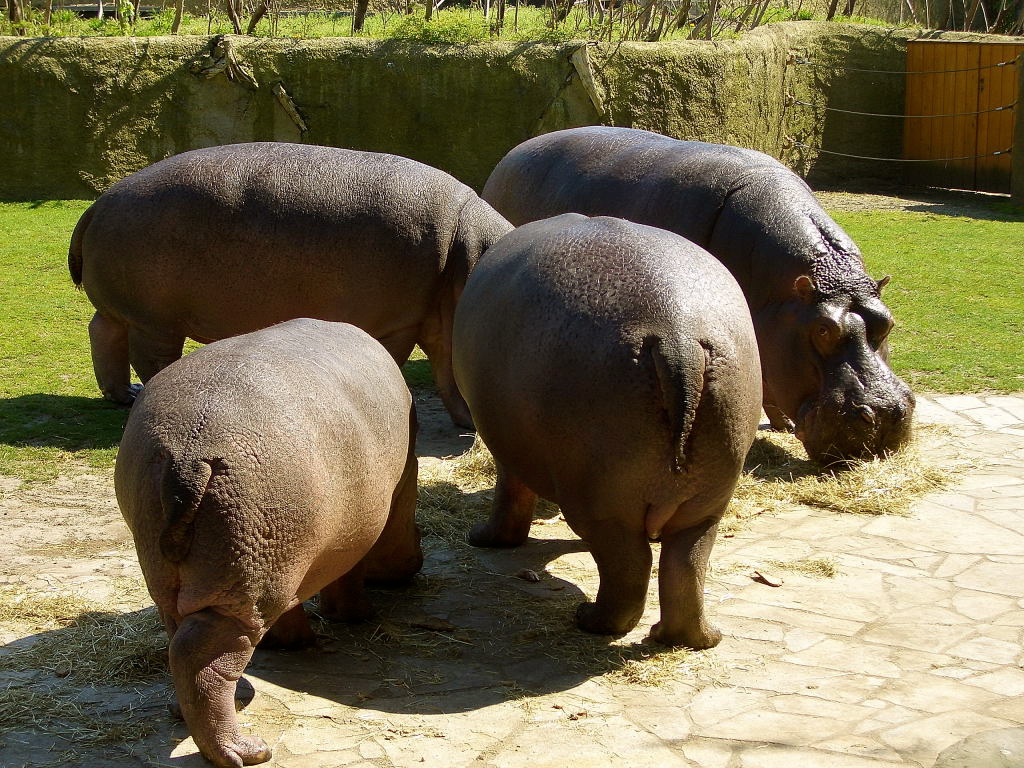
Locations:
(804, 289)
(882, 283)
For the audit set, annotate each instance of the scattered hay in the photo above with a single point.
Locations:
(454, 494)
(653, 667)
(475, 468)
(82, 641)
(38, 611)
(778, 474)
(822, 567)
(53, 710)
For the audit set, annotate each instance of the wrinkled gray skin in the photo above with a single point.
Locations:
(612, 368)
(820, 321)
(221, 241)
(254, 473)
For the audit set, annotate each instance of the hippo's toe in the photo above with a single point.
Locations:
(245, 750)
(590, 618)
(698, 638)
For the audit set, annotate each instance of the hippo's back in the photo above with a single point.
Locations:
(637, 175)
(220, 241)
(559, 330)
(293, 437)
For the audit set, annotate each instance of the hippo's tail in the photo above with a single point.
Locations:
(182, 488)
(75, 249)
(681, 369)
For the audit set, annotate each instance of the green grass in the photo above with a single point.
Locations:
(450, 25)
(957, 294)
(50, 409)
(51, 414)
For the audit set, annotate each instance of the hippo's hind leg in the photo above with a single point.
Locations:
(108, 340)
(681, 571)
(511, 513)
(150, 353)
(208, 653)
(623, 557)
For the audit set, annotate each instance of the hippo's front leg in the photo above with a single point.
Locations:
(681, 571)
(623, 557)
(344, 599)
(396, 556)
(291, 631)
(436, 341)
(511, 513)
(208, 653)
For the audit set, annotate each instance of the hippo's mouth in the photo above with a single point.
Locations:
(804, 421)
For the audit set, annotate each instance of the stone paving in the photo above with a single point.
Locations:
(911, 656)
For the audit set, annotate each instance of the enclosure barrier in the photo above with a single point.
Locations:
(965, 148)
(124, 103)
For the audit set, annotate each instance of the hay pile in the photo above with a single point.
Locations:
(778, 473)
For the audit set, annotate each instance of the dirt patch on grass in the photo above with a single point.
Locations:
(950, 202)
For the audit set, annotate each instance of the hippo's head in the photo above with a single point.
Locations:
(826, 369)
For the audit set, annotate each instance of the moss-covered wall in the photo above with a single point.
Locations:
(78, 114)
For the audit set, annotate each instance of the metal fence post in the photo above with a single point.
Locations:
(1017, 150)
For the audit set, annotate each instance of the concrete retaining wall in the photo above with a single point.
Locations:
(77, 114)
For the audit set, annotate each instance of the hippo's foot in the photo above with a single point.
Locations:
(123, 396)
(590, 618)
(243, 750)
(699, 638)
(779, 421)
(244, 694)
(490, 535)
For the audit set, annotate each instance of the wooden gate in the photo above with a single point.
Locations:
(959, 112)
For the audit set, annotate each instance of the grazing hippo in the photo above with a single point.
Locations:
(612, 368)
(226, 240)
(254, 473)
(820, 321)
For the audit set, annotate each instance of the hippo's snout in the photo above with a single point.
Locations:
(856, 428)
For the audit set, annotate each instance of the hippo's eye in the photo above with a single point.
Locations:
(826, 335)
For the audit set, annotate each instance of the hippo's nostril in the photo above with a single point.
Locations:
(866, 413)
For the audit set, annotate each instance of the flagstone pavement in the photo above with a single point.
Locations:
(911, 656)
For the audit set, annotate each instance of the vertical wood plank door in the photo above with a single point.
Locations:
(959, 113)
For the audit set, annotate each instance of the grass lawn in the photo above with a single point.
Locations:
(450, 24)
(957, 294)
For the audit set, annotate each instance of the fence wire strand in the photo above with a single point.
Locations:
(883, 114)
(1006, 63)
(903, 159)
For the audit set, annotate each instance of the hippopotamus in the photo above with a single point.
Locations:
(820, 320)
(222, 241)
(254, 473)
(612, 368)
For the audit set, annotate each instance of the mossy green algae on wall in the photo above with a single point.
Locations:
(78, 114)
(82, 113)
